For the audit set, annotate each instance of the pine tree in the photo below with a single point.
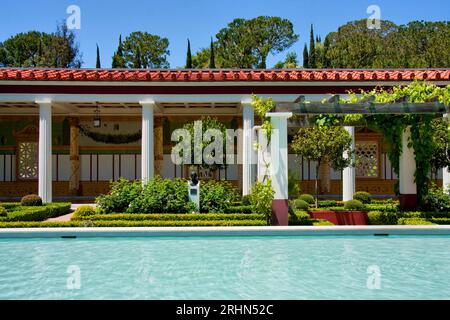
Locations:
(97, 64)
(189, 56)
(212, 63)
(312, 61)
(305, 57)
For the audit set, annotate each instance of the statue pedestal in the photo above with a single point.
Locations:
(194, 194)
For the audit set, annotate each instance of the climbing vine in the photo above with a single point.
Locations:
(392, 126)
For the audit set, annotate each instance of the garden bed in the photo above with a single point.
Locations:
(341, 217)
(16, 212)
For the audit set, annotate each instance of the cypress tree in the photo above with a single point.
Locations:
(212, 63)
(326, 47)
(189, 56)
(97, 64)
(118, 61)
(305, 57)
(312, 62)
(137, 63)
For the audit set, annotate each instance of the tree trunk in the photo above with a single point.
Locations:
(324, 176)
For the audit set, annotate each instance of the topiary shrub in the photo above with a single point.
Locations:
(437, 200)
(31, 200)
(307, 198)
(353, 205)
(362, 196)
(299, 218)
(83, 211)
(300, 204)
(3, 212)
(382, 217)
(246, 200)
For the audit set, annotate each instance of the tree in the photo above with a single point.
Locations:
(212, 63)
(40, 49)
(324, 142)
(118, 61)
(312, 50)
(305, 57)
(208, 155)
(440, 158)
(98, 64)
(247, 43)
(290, 62)
(146, 50)
(356, 46)
(189, 56)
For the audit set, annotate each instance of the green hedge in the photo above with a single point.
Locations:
(414, 221)
(125, 223)
(239, 209)
(440, 220)
(37, 213)
(300, 218)
(168, 217)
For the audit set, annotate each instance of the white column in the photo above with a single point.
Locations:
(45, 151)
(408, 188)
(147, 156)
(279, 166)
(349, 173)
(445, 172)
(247, 146)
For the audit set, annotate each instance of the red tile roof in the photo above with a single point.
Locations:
(258, 75)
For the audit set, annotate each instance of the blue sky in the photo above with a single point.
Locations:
(103, 20)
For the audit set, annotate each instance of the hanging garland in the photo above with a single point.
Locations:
(110, 138)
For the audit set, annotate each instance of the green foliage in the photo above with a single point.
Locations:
(246, 200)
(354, 205)
(437, 200)
(327, 203)
(121, 138)
(312, 60)
(305, 57)
(145, 50)
(247, 43)
(169, 216)
(118, 60)
(122, 193)
(160, 196)
(321, 143)
(216, 196)
(322, 222)
(239, 209)
(40, 49)
(210, 160)
(39, 213)
(3, 212)
(293, 185)
(97, 63)
(299, 218)
(188, 56)
(362, 196)
(382, 217)
(440, 220)
(126, 223)
(300, 204)
(414, 221)
(290, 62)
(85, 211)
(31, 200)
(261, 197)
(307, 198)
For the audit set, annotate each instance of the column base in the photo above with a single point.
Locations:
(280, 212)
(408, 201)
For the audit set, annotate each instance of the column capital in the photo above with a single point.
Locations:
(45, 102)
(73, 121)
(279, 114)
(148, 103)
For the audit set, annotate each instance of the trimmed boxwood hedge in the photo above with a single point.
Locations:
(126, 223)
(168, 217)
(37, 213)
(239, 209)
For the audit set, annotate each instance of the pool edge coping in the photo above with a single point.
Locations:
(86, 232)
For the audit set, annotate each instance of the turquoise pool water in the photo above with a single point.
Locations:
(322, 267)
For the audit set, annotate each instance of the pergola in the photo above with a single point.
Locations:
(367, 106)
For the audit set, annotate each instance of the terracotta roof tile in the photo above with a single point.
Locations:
(38, 74)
